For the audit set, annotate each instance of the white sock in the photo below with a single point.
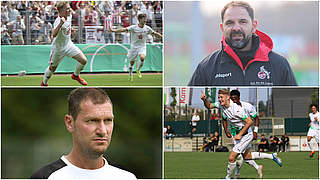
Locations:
(47, 75)
(231, 167)
(79, 68)
(259, 155)
(310, 146)
(239, 163)
(253, 163)
(140, 64)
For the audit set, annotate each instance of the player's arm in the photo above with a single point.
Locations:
(206, 103)
(245, 128)
(157, 34)
(256, 127)
(57, 29)
(118, 30)
(225, 127)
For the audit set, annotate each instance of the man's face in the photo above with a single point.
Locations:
(237, 27)
(235, 99)
(93, 128)
(223, 98)
(142, 20)
(65, 11)
(314, 109)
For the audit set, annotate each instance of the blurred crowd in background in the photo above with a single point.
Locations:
(31, 22)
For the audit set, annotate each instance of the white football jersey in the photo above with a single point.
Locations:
(314, 123)
(249, 109)
(63, 169)
(138, 35)
(63, 38)
(235, 114)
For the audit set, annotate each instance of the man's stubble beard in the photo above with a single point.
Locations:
(239, 44)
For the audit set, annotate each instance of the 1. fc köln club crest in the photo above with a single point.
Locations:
(262, 74)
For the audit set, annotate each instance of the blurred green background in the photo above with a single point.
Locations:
(34, 133)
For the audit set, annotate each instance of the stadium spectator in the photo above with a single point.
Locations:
(4, 15)
(5, 36)
(213, 141)
(195, 119)
(204, 147)
(263, 144)
(274, 143)
(157, 10)
(35, 26)
(107, 25)
(17, 31)
(169, 133)
(285, 143)
(12, 11)
(45, 33)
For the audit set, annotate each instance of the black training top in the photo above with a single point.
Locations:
(223, 67)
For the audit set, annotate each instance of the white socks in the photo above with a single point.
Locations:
(47, 75)
(253, 163)
(79, 68)
(140, 64)
(231, 167)
(258, 155)
(310, 146)
(130, 69)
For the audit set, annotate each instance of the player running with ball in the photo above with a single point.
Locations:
(138, 40)
(63, 46)
(236, 115)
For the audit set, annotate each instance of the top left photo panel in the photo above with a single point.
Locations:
(81, 43)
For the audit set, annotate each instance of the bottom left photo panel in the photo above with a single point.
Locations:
(77, 133)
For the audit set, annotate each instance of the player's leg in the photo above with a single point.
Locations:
(74, 52)
(132, 55)
(142, 53)
(260, 155)
(82, 61)
(239, 163)
(252, 163)
(54, 60)
(239, 147)
(231, 164)
(310, 134)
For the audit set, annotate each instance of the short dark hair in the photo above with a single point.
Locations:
(235, 92)
(315, 105)
(140, 16)
(77, 96)
(239, 4)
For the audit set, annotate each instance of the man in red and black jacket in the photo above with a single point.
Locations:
(246, 57)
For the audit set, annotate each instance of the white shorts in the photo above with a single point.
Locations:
(135, 52)
(314, 133)
(240, 146)
(57, 55)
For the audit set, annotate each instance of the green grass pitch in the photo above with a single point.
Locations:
(186, 165)
(92, 79)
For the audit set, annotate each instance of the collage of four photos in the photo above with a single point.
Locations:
(160, 89)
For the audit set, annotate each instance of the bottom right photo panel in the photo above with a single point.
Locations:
(247, 133)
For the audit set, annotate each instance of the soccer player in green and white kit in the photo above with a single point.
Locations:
(250, 111)
(236, 115)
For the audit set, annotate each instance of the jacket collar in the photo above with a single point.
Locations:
(265, 47)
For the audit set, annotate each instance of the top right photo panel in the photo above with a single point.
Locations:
(241, 43)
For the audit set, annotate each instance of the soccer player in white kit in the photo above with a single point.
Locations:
(236, 115)
(138, 40)
(313, 127)
(63, 46)
(251, 112)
